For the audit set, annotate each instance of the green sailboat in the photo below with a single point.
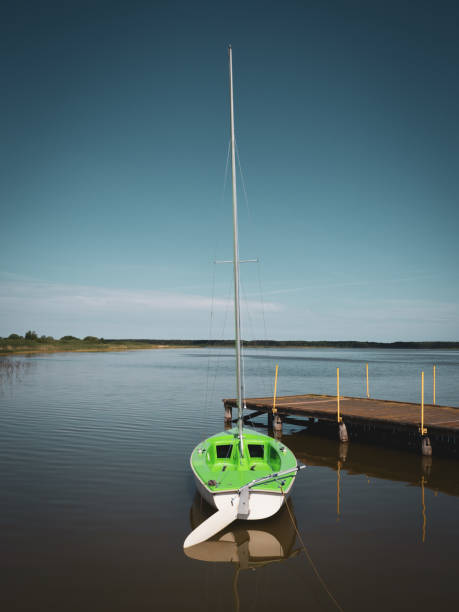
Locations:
(242, 473)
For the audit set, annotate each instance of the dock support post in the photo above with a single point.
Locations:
(426, 448)
(343, 437)
(434, 385)
(228, 414)
(277, 425)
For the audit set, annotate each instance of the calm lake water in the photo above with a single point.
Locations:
(96, 493)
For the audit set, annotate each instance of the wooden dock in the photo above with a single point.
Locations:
(361, 418)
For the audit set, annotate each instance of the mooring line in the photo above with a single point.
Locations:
(309, 558)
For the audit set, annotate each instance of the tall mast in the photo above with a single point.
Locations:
(237, 314)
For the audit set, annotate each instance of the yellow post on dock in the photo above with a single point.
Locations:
(434, 385)
(275, 390)
(423, 429)
(368, 386)
(337, 394)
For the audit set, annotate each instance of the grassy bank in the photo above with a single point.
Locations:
(22, 346)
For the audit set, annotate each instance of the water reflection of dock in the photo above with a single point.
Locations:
(389, 423)
(436, 473)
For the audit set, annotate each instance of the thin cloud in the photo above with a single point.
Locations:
(49, 296)
(347, 284)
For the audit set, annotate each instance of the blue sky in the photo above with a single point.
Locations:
(114, 125)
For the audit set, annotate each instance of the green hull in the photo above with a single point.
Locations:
(219, 467)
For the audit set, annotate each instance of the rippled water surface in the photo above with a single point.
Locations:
(97, 497)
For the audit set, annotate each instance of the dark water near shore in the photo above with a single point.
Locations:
(96, 494)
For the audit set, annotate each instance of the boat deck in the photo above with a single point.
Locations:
(262, 456)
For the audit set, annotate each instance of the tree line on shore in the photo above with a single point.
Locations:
(31, 337)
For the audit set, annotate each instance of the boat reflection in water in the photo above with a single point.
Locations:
(246, 544)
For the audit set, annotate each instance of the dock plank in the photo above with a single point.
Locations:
(387, 412)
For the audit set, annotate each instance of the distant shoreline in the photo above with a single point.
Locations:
(29, 348)
(301, 344)
(24, 347)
